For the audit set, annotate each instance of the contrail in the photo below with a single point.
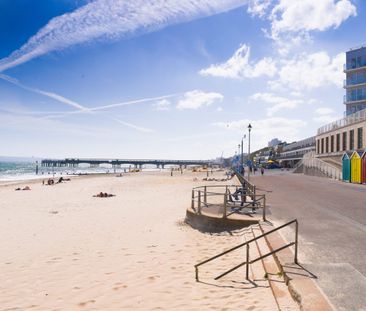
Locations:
(54, 96)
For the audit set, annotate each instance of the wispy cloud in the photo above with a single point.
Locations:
(54, 96)
(239, 66)
(265, 129)
(277, 103)
(161, 105)
(135, 127)
(112, 19)
(196, 99)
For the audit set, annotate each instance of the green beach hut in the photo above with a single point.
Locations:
(346, 167)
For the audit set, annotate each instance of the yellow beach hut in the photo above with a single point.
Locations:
(356, 167)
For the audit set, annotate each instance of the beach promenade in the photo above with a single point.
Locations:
(63, 249)
(332, 234)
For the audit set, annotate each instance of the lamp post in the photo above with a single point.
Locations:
(249, 129)
(242, 154)
(238, 155)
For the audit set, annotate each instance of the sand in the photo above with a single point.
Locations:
(62, 249)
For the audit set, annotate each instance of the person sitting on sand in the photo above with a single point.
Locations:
(103, 195)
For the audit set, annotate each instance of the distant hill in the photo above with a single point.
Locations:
(19, 159)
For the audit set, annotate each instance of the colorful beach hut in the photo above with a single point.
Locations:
(346, 167)
(363, 167)
(356, 167)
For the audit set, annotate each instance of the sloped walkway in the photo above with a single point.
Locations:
(332, 232)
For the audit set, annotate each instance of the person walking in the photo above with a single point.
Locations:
(262, 170)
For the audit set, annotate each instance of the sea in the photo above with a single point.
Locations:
(13, 171)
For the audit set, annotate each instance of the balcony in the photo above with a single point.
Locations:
(351, 83)
(354, 99)
(349, 67)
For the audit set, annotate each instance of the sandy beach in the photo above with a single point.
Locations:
(63, 249)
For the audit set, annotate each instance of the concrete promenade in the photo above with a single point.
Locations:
(332, 232)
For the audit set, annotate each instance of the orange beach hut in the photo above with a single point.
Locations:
(356, 167)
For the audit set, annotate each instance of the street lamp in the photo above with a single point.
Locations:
(242, 154)
(249, 129)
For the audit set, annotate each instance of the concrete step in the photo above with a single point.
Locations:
(301, 282)
(274, 275)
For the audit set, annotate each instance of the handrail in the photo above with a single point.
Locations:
(245, 183)
(247, 262)
(200, 198)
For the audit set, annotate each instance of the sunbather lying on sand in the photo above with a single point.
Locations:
(25, 188)
(104, 195)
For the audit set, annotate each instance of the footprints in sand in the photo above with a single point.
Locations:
(153, 278)
(54, 260)
(83, 304)
(119, 286)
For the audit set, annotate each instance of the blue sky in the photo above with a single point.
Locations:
(169, 79)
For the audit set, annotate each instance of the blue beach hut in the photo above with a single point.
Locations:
(346, 166)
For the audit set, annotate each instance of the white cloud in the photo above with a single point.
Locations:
(293, 20)
(196, 99)
(325, 119)
(265, 129)
(309, 15)
(163, 104)
(112, 19)
(277, 102)
(258, 7)
(309, 71)
(324, 115)
(239, 66)
(323, 110)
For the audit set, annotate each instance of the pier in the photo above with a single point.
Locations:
(74, 162)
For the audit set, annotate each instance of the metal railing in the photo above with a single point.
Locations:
(251, 188)
(348, 120)
(248, 262)
(204, 197)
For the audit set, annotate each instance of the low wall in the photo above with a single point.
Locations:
(207, 223)
(314, 172)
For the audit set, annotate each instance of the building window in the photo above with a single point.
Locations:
(318, 146)
(322, 145)
(338, 142)
(351, 139)
(359, 137)
(344, 141)
(332, 143)
(327, 144)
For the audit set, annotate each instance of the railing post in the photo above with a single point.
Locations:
(192, 202)
(225, 205)
(296, 240)
(247, 264)
(205, 196)
(196, 274)
(199, 202)
(264, 207)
